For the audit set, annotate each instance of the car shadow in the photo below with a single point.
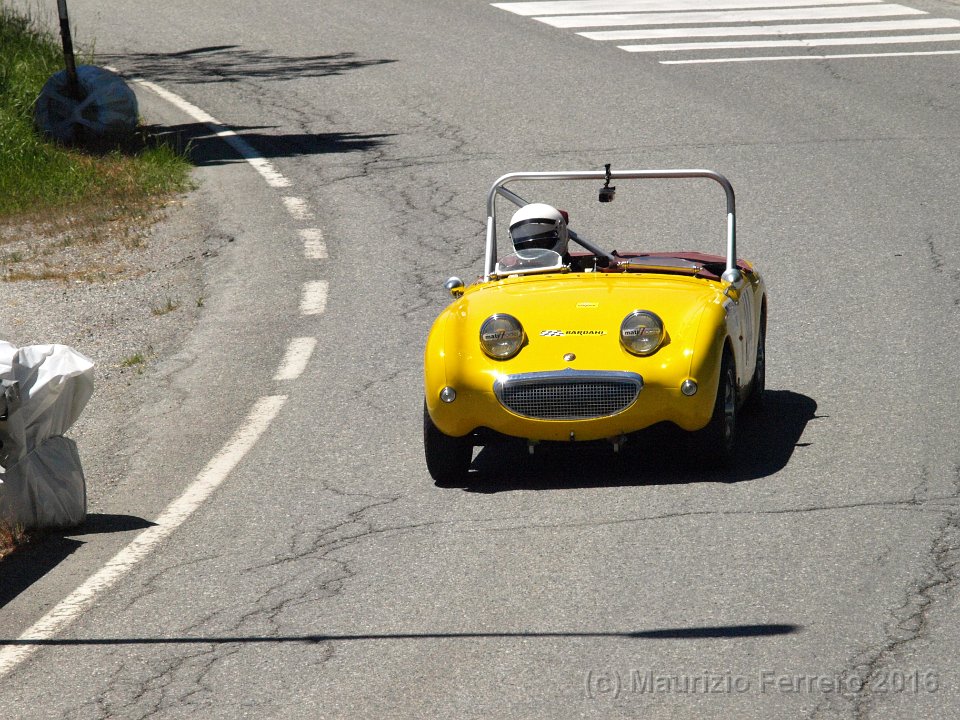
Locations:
(660, 455)
(29, 563)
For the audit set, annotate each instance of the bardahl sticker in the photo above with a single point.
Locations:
(564, 333)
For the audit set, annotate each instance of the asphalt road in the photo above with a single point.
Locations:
(329, 577)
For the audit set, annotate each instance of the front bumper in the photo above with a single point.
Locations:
(567, 405)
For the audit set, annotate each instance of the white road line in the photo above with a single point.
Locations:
(219, 468)
(298, 208)
(811, 42)
(314, 298)
(744, 30)
(573, 7)
(313, 245)
(247, 152)
(216, 471)
(809, 57)
(728, 16)
(296, 358)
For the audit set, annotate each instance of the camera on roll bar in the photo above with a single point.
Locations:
(608, 191)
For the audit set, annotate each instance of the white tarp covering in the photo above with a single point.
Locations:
(44, 390)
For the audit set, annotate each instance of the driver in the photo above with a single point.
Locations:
(539, 225)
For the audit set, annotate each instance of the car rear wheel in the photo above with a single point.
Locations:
(719, 437)
(448, 458)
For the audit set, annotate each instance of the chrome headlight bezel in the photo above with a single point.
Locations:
(501, 336)
(641, 333)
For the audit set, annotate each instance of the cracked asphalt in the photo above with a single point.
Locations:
(329, 577)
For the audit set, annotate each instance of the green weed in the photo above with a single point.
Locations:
(39, 178)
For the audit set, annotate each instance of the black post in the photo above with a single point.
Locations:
(73, 82)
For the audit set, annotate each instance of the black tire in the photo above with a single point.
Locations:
(719, 437)
(448, 458)
(759, 382)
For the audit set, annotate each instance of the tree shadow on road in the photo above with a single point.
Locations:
(204, 147)
(231, 63)
(657, 456)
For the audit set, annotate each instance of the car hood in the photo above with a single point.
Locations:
(579, 315)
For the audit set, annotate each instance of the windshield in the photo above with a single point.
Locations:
(528, 261)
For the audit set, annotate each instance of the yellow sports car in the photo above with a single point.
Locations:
(555, 345)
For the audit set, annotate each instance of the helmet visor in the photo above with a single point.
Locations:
(535, 233)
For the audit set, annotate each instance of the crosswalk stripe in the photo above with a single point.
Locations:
(811, 42)
(744, 30)
(773, 58)
(713, 16)
(865, 22)
(573, 7)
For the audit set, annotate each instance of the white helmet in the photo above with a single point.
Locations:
(538, 225)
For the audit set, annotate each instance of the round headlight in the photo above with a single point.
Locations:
(641, 332)
(501, 336)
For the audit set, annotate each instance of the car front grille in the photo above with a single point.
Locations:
(568, 394)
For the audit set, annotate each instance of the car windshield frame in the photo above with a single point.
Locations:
(499, 189)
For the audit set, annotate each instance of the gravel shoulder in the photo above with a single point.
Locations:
(143, 294)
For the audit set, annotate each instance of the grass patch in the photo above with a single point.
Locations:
(168, 306)
(137, 360)
(65, 192)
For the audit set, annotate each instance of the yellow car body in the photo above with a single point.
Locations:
(573, 378)
(571, 322)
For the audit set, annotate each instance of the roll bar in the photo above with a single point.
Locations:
(499, 188)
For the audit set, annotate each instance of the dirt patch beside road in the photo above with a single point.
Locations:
(126, 299)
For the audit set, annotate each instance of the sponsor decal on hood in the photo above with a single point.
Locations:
(564, 333)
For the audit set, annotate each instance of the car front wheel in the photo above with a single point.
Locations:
(719, 437)
(448, 458)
